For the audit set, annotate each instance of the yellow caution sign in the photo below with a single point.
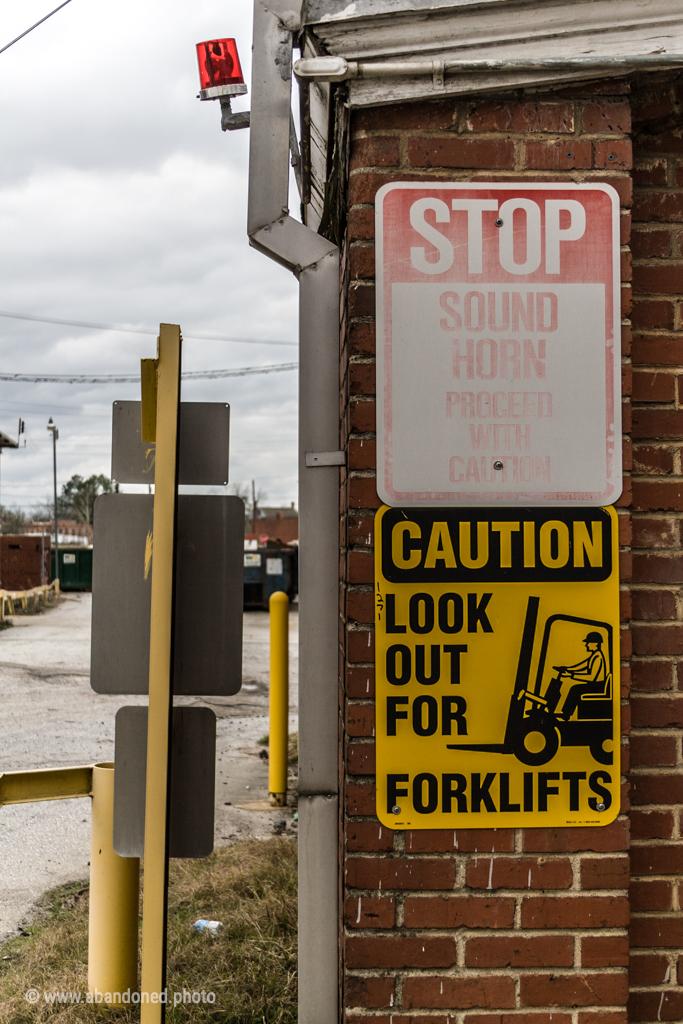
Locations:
(497, 650)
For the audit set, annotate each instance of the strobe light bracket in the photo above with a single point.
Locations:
(220, 78)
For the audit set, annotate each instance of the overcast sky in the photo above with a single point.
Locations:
(122, 202)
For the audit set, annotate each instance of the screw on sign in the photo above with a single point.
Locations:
(497, 640)
(498, 351)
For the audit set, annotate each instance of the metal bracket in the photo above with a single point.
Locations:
(325, 459)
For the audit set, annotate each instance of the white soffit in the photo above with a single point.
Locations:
(488, 29)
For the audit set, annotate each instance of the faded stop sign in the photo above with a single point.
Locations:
(498, 344)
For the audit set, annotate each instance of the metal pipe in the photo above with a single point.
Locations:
(279, 698)
(338, 69)
(114, 895)
(315, 262)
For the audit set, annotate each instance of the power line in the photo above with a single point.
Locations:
(34, 26)
(138, 330)
(78, 378)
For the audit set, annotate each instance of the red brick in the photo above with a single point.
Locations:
(492, 116)
(362, 301)
(648, 314)
(657, 639)
(400, 952)
(427, 116)
(360, 531)
(461, 152)
(650, 896)
(622, 184)
(653, 533)
(448, 840)
(649, 386)
(651, 676)
(648, 970)
(375, 151)
(370, 993)
(657, 348)
(657, 789)
(520, 951)
(646, 1006)
(664, 279)
(647, 245)
(558, 155)
(653, 750)
(360, 607)
(667, 142)
(360, 682)
(626, 266)
(360, 719)
(607, 117)
(657, 860)
(575, 912)
(658, 206)
(652, 824)
(664, 932)
(363, 494)
(519, 873)
(604, 951)
(653, 459)
(617, 153)
(362, 339)
(368, 837)
(360, 645)
(362, 378)
(458, 993)
(656, 567)
(613, 1017)
(360, 758)
(373, 873)
(361, 454)
(516, 1018)
(362, 262)
(360, 799)
(397, 1018)
(654, 604)
(458, 912)
(573, 989)
(362, 417)
(657, 713)
(361, 565)
(607, 839)
(651, 171)
(361, 226)
(370, 912)
(604, 872)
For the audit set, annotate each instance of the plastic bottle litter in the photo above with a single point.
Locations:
(212, 927)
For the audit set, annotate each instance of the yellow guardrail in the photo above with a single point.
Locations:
(9, 598)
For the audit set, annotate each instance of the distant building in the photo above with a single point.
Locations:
(70, 530)
(280, 525)
(24, 561)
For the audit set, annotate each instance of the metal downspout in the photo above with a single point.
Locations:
(315, 262)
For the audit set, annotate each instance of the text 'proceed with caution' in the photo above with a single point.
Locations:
(497, 652)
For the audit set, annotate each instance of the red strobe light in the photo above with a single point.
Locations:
(220, 72)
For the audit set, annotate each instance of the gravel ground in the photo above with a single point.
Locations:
(51, 717)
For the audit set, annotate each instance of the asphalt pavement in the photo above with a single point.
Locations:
(50, 717)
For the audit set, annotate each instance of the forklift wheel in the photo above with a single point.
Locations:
(599, 754)
(544, 728)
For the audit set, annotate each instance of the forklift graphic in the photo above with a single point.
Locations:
(536, 725)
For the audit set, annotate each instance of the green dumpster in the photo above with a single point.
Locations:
(75, 567)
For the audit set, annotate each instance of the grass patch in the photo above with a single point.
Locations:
(292, 746)
(251, 966)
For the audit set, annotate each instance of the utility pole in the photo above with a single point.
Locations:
(253, 507)
(55, 434)
(7, 442)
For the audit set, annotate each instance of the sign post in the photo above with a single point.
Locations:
(160, 413)
(498, 343)
(497, 647)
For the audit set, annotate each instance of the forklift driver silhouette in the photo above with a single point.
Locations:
(589, 677)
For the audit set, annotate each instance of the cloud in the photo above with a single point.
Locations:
(122, 202)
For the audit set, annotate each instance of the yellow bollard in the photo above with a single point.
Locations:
(114, 895)
(279, 698)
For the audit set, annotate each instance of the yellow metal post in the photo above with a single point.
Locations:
(153, 978)
(114, 894)
(279, 698)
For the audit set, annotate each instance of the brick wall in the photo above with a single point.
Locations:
(489, 926)
(657, 702)
(20, 562)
